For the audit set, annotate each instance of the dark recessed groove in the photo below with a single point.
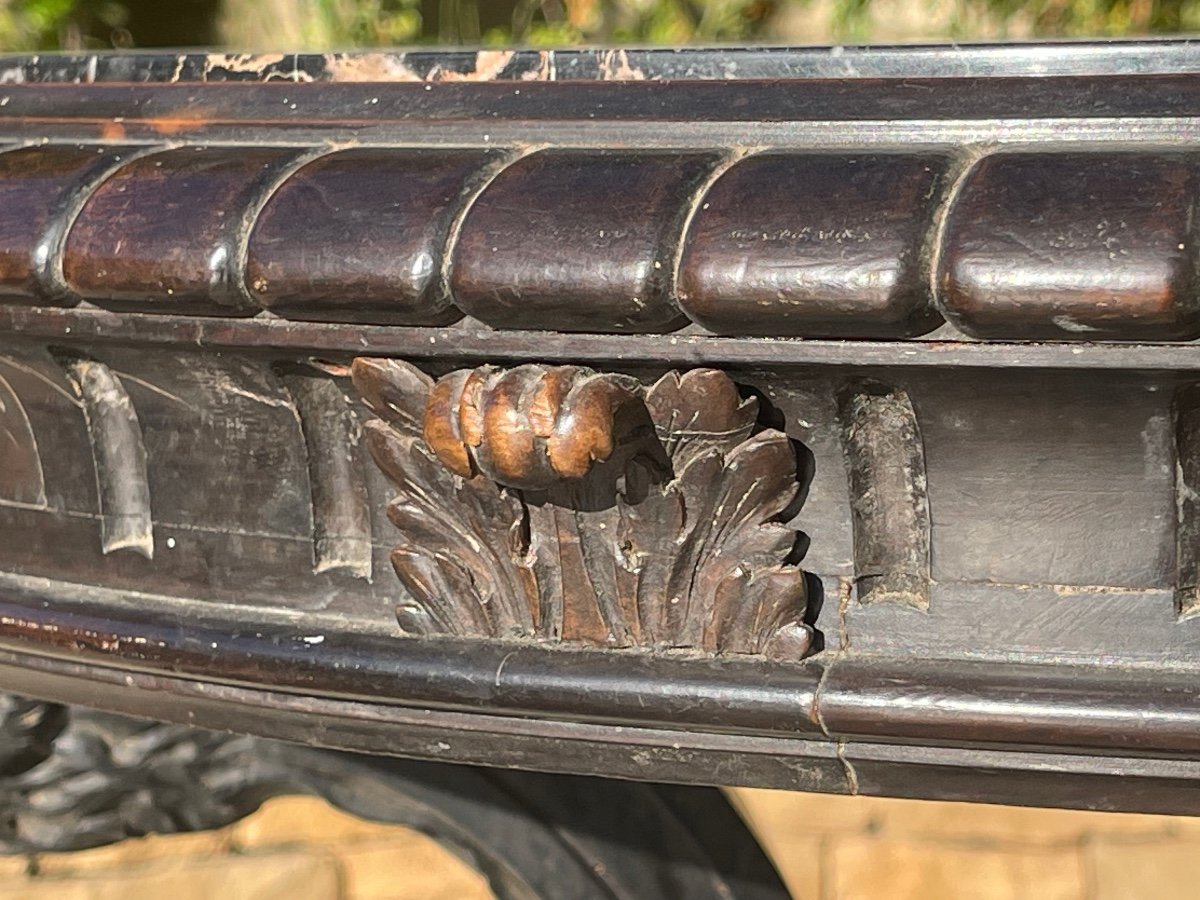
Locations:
(1186, 408)
(473, 343)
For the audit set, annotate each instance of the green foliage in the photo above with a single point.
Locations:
(60, 24)
(1100, 18)
(565, 22)
(31, 25)
(362, 23)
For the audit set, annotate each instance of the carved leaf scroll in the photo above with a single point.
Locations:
(560, 504)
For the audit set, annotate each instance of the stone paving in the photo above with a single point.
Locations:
(828, 848)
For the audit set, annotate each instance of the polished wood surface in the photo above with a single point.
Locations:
(184, 216)
(817, 245)
(1094, 246)
(1007, 246)
(807, 427)
(578, 241)
(374, 224)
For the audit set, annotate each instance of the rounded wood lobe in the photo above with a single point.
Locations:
(527, 427)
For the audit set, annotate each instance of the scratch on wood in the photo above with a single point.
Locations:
(21, 477)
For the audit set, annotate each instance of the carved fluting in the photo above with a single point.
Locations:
(835, 243)
(1186, 414)
(119, 456)
(672, 537)
(889, 494)
(340, 506)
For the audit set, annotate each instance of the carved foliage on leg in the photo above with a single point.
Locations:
(563, 504)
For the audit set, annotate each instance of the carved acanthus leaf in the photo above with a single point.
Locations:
(663, 531)
(462, 560)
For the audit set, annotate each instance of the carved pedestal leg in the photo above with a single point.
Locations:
(77, 778)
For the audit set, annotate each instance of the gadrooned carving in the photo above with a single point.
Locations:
(559, 504)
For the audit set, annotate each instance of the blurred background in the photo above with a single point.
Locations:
(340, 24)
(826, 848)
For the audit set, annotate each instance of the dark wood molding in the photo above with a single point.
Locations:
(470, 342)
(342, 529)
(867, 208)
(889, 494)
(860, 458)
(501, 676)
(836, 696)
(999, 775)
(549, 237)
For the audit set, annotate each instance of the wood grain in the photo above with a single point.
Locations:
(1074, 246)
(184, 215)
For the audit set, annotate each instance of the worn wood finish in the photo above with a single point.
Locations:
(1101, 781)
(673, 539)
(780, 243)
(375, 225)
(889, 494)
(1186, 414)
(44, 187)
(516, 410)
(461, 673)
(594, 232)
(816, 245)
(341, 511)
(184, 216)
(1100, 246)
(470, 342)
(126, 520)
(864, 208)
(529, 427)
(21, 477)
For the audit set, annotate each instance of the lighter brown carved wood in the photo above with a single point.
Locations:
(565, 505)
(527, 427)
